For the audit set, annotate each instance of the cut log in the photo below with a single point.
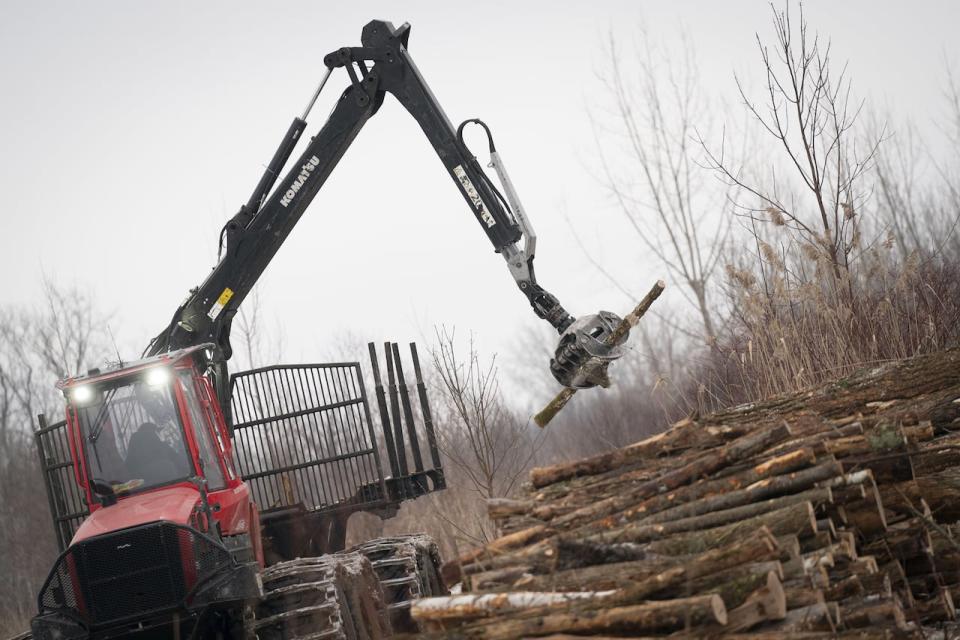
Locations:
(818, 558)
(567, 636)
(644, 532)
(875, 583)
(868, 515)
(863, 476)
(814, 574)
(783, 486)
(799, 597)
(939, 608)
(766, 603)
(815, 617)
(651, 616)
(844, 447)
(941, 490)
(605, 576)
(905, 539)
(875, 613)
(857, 634)
(630, 508)
(470, 606)
(488, 580)
(818, 540)
(709, 462)
(733, 585)
(499, 508)
(797, 519)
(849, 587)
(757, 546)
(826, 525)
(843, 495)
(816, 436)
(452, 571)
(570, 553)
(864, 565)
(919, 433)
(738, 449)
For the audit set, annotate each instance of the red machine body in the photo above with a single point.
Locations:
(212, 487)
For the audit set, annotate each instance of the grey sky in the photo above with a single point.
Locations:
(131, 131)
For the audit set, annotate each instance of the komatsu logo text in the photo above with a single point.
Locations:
(305, 172)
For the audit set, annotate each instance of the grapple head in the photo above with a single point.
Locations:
(583, 355)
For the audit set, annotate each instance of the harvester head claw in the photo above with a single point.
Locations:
(583, 355)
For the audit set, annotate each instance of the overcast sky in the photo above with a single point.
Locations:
(131, 131)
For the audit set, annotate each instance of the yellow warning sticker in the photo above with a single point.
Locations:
(220, 303)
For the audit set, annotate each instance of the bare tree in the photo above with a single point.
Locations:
(901, 194)
(654, 173)
(62, 336)
(486, 448)
(479, 434)
(948, 171)
(809, 113)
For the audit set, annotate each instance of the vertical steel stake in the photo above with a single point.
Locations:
(425, 409)
(407, 410)
(395, 412)
(384, 414)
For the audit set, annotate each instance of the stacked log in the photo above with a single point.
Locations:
(820, 514)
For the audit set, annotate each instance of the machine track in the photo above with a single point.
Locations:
(409, 568)
(334, 597)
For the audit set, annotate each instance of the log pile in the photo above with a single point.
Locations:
(821, 514)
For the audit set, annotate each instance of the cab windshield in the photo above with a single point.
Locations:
(133, 436)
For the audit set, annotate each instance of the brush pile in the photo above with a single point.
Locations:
(822, 514)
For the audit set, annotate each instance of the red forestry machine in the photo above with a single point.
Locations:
(215, 506)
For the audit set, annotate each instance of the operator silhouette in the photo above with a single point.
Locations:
(152, 459)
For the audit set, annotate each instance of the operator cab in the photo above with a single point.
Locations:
(154, 427)
(132, 433)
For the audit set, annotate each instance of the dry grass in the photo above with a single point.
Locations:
(793, 328)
